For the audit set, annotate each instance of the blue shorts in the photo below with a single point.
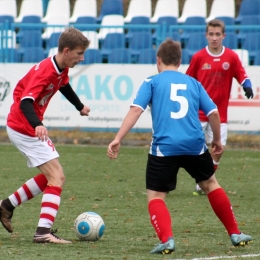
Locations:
(161, 172)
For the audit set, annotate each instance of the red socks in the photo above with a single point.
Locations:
(160, 219)
(221, 205)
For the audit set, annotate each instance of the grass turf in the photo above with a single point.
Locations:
(116, 191)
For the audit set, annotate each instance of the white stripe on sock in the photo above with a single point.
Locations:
(51, 198)
(44, 222)
(33, 187)
(49, 211)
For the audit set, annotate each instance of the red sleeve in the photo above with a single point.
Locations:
(192, 69)
(35, 85)
(37, 79)
(239, 73)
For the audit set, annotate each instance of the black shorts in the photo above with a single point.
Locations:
(161, 172)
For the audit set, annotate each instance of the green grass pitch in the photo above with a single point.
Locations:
(116, 190)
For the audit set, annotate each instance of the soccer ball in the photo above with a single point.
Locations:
(89, 226)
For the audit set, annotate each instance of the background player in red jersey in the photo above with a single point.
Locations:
(215, 66)
(27, 132)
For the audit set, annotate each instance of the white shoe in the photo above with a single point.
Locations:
(198, 191)
(49, 238)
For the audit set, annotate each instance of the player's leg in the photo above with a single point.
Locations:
(44, 156)
(205, 127)
(215, 157)
(220, 204)
(27, 191)
(222, 207)
(158, 183)
(159, 214)
(50, 203)
(202, 170)
(223, 133)
(30, 189)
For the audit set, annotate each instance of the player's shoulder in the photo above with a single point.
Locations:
(232, 56)
(48, 68)
(200, 53)
(199, 56)
(151, 78)
(42, 65)
(230, 52)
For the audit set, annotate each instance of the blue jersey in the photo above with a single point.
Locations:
(175, 100)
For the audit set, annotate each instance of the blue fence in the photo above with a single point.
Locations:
(31, 42)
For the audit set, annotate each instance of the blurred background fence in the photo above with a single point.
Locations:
(125, 31)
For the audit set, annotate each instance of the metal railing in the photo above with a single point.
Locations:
(192, 38)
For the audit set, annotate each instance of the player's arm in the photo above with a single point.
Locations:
(72, 97)
(210, 110)
(241, 76)
(27, 108)
(247, 87)
(139, 104)
(129, 121)
(214, 121)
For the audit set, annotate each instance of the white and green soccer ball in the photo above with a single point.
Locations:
(89, 226)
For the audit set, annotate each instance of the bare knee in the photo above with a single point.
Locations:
(57, 178)
(62, 178)
(53, 172)
(209, 185)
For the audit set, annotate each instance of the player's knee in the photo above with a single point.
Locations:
(209, 185)
(60, 178)
(56, 178)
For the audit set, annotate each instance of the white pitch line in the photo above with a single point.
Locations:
(219, 257)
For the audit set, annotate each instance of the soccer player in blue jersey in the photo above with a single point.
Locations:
(178, 142)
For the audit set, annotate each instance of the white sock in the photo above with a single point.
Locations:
(215, 163)
(198, 187)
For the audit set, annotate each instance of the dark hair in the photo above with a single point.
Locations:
(72, 38)
(170, 52)
(216, 23)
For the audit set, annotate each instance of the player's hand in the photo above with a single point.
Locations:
(113, 149)
(85, 111)
(217, 147)
(41, 132)
(248, 92)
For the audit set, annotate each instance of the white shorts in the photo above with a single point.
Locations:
(209, 134)
(36, 151)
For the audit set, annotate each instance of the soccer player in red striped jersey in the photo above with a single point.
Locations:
(215, 66)
(26, 131)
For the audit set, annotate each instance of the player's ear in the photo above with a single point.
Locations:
(66, 50)
(158, 60)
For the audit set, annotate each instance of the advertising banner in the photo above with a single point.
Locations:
(109, 91)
